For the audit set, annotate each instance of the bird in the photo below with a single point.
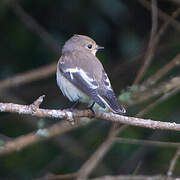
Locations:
(81, 76)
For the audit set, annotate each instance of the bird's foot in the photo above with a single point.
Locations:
(91, 108)
(70, 114)
(74, 105)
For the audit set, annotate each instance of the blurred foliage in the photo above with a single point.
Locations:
(123, 28)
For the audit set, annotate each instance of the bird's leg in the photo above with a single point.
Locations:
(91, 107)
(72, 120)
(74, 105)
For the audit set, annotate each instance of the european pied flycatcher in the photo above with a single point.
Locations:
(81, 76)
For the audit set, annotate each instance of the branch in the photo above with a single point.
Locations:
(33, 25)
(164, 16)
(164, 70)
(146, 142)
(134, 177)
(151, 46)
(29, 76)
(34, 137)
(71, 115)
(173, 162)
(158, 101)
(155, 38)
(162, 88)
(63, 126)
(23, 141)
(58, 177)
(97, 156)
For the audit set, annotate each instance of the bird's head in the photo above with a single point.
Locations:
(81, 42)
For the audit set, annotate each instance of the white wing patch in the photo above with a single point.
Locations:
(84, 76)
(106, 81)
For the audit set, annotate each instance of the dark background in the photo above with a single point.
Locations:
(123, 28)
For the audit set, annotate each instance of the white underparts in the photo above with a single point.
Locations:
(70, 91)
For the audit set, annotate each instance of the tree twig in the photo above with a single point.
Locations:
(29, 76)
(164, 16)
(162, 88)
(33, 25)
(58, 177)
(69, 115)
(173, 162)
(164, 70)
(31, 138)
(146, 142)
(158, 101)
(96, 157)
(150, 52)
(133, 177)
(23, 141)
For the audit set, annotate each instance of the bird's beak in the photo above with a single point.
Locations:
(99, 47)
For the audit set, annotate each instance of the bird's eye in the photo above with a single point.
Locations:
(89, 46)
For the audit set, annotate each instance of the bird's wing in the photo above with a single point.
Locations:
(110, 100)
(82, 80)
(107, 94)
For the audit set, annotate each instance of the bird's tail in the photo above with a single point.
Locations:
(109, 99)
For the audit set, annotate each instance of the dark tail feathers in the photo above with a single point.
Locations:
(111, 100)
